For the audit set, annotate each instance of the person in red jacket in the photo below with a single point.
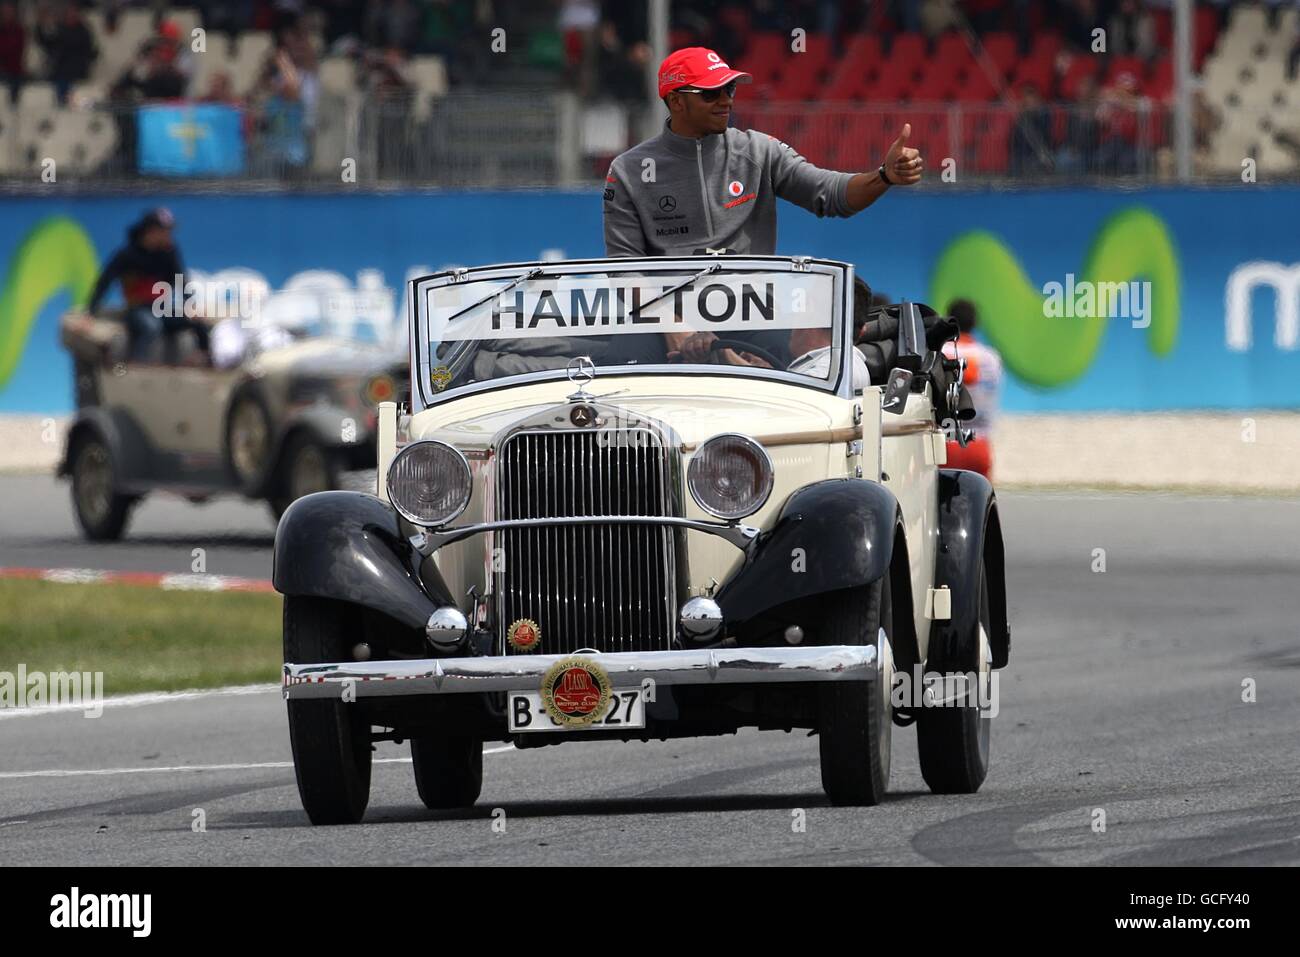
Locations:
(983, 380)
(149, 270)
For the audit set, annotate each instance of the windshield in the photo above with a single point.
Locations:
(703, 315)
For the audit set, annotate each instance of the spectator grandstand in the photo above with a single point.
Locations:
(424, 91)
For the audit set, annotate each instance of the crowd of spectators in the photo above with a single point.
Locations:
(600, 49)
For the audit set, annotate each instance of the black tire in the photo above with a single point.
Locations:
(305, 467)
(953, 742)
(448, 770)
(248, 442)
(331, 744)
(856, 720)
(102, 511)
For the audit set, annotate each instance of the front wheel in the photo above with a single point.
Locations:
(952, 735)
(856, 718)
(102, 512)
(448, 770)
(331, 742)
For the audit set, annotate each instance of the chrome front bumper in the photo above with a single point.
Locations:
(719, 666)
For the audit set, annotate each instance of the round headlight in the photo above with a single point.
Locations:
(429, 483)
(730, 476)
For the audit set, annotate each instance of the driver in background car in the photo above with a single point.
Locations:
(702, 183)
(150, 257)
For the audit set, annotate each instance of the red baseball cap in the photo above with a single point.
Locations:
(698, 67)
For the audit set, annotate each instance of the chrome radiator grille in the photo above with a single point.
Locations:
(608, 587)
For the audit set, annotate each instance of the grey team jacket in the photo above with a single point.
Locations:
(673, 195)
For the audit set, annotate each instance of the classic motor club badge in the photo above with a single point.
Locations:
(524, 635)
(576, 692)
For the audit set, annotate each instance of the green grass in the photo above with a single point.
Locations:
(143, 639)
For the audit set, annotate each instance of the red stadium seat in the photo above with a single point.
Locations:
(1125, 64)
(1164, 20)
(804, 74)
(1046, 45)
(1079, 67)
(951, 53)
(986, 140)
(1038, 72)
(1001, 49)
(907, 48)
(853, 71)
(863, 49)
(1160, 85)
(973, 85)
(765, 56)
(1205, 31)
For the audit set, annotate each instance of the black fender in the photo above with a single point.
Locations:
(970, 531)
(349, 546)
(830, 535)
(130, 449)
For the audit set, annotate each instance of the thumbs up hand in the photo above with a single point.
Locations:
(903, 163)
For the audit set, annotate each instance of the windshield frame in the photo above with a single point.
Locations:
(422, 360)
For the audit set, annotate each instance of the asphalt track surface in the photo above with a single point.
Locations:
(1124, 695)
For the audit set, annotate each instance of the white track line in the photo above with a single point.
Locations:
(94, 772)
(137, 700)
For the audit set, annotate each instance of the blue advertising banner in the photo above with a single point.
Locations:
(1159, 299)
(190, 140)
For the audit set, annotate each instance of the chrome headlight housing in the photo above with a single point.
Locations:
(429, 483)
(730, 476)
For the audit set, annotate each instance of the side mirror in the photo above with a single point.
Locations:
(896, 391)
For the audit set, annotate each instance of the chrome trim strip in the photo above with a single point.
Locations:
(892, 429)
(810, 437)
(429, 541)
(717, 666)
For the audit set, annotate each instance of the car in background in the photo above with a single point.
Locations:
(281, 423)
(581, 534)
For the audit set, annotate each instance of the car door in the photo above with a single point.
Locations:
(197, 400)
(912, 449)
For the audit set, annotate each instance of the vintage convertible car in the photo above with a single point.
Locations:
(588, 528)
(284, 422)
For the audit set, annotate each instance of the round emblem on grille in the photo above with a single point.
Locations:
(524, 635)
(582, 416)
(575, 692)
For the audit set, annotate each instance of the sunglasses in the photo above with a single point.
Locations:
(710, 96)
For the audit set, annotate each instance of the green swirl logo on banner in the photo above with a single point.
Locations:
(56, 255)
(1045, 351)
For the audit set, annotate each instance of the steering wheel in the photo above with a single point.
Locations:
(738, 346)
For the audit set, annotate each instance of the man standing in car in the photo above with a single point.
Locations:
(149, 269)
(703, 186)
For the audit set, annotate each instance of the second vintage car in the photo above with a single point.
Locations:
(643, 499)
(280, 423)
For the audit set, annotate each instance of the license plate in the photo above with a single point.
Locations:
(527, 713)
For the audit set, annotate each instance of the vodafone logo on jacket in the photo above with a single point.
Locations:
(735, 187)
